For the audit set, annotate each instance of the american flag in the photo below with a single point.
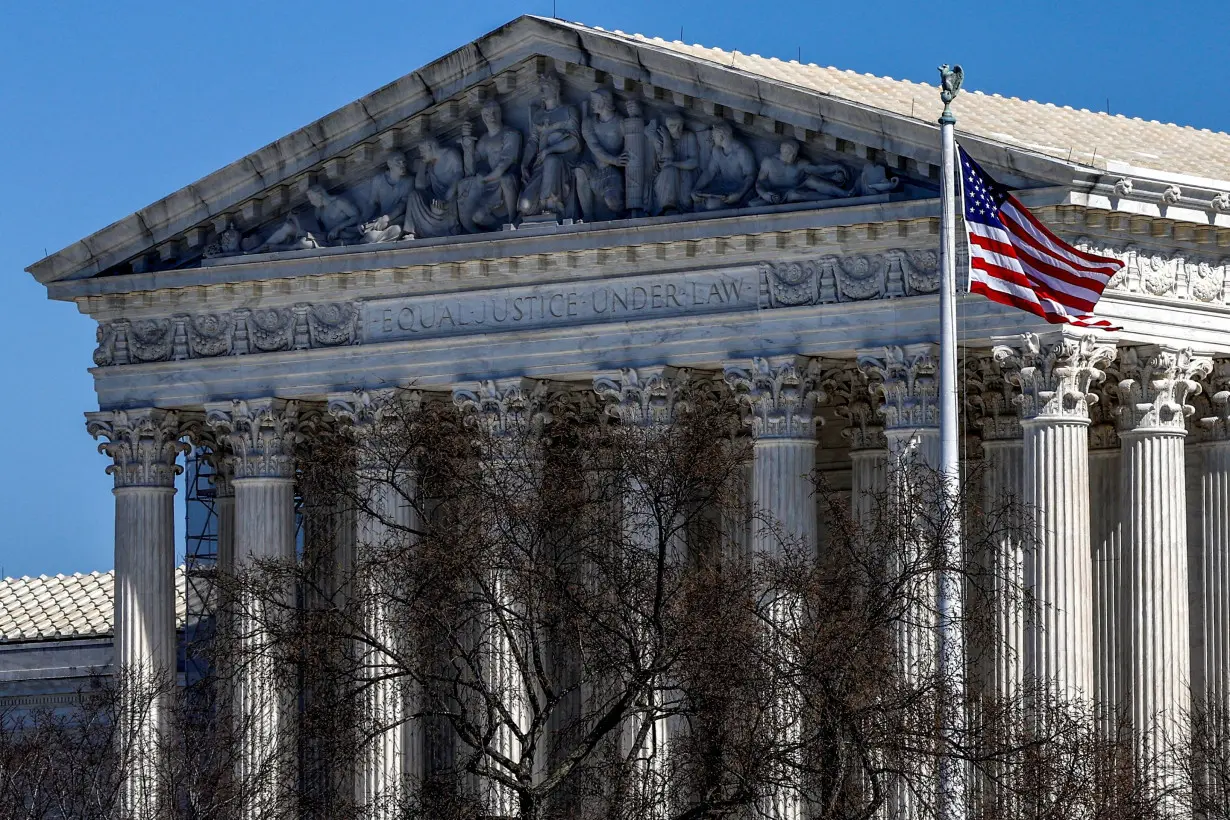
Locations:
(1015, 260)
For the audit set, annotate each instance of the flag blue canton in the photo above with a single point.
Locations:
(981, 195)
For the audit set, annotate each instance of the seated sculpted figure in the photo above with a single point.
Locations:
(875, 180)
(600, 184)
(786, 178)
(386, 201)
(431, 209)
(678, 157)
(550, 152)
(337, 217)
(730, 172)
(488, 194)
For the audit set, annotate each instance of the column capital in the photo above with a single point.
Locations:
(779, 395)
(1103, 427)
(261, 435)
(215, 453)
(363, 409)
(503, 407)
(1054, 371)
(142, 445)
(905, 377)
(645, 397)
(848, 390)
(993, 399)
(1212, 418)
(1155, 385)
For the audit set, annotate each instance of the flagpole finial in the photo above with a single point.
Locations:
(950, 84)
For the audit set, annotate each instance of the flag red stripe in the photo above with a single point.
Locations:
(1011, 300)
(1050, 275)
(1091, 274)
(1092, 258)
(1023, 281)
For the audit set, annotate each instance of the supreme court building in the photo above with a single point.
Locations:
(557, 202)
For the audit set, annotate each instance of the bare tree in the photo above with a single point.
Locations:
(554, 612)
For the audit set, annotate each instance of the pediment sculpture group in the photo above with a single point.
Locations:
(582, 162)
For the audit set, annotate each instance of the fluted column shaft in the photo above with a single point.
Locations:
(260, 436)
(1002, 666)
(1055, 373)
(224, 508)
(905, 378)
(509, 413)
(143, 446)
(868, 481)
(1155, 671)
(779, 396)
(1215, 591)
(393, 757)
(1058, 571)
(646, 401)
(1156, 660)
(1106, 537)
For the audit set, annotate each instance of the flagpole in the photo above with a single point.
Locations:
(951, 784)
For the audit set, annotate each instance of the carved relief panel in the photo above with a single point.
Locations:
(540, 147)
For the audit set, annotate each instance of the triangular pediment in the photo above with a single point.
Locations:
(634, 132)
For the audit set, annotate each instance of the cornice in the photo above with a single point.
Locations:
(458, 263)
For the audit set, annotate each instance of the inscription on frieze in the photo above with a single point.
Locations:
(767, 285)
(629, 299)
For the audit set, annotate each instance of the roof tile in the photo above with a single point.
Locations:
(76, 606)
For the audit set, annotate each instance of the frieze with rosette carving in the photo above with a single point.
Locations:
(828, 279)
(236, 332)
(1172, 274)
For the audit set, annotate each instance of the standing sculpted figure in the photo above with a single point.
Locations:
(786, 178)
(730, 172)
(601, 182)
(678, 158)
(386, 201)
(488, 194)
(431, 209)
(337, 217)
(553, 146)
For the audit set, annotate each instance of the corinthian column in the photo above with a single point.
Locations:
(868, 447)
(780, 397)
(648, 400)
(1155, 650)
(1055, 373)
(261, 435)
(508, 413)
(1211, 434)
(1000, 653)
(905, 378)
(143, 446)
(1106, 539)
(386, 517)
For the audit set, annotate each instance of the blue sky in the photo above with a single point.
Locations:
(107, 107)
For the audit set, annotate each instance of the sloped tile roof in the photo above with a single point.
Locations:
(1058, 131)
(65, 606)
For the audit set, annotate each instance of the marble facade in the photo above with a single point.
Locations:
(540, 206)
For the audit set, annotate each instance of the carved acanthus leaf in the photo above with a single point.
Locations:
(1215, 424)
(1055, 372)
(261, 435)
(506, 407)
(905, 378)
(646, 397)
(993, 399)
(779, 396)
(142, 444)
(1156, 385)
